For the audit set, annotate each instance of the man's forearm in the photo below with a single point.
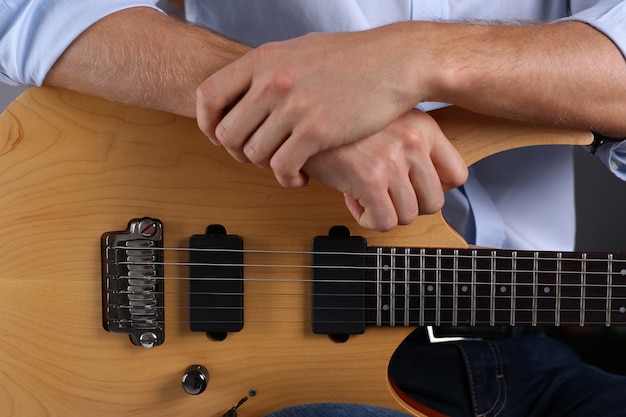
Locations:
(563, 73)
(143, 57)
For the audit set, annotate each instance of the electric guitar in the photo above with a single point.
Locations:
(146, 273)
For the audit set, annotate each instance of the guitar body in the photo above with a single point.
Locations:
(73, 167)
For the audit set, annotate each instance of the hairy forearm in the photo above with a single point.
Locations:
(143, 57)
(564, 73)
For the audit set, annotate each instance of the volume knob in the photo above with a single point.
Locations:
(195, 379)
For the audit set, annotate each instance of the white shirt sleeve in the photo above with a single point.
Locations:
(34, 33)
(609, 17)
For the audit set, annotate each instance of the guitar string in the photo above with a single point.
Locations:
(549, 313)
(477, 255)
(462, 273)
(492, 299)
(462, 253)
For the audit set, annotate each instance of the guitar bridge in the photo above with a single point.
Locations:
(132, 282)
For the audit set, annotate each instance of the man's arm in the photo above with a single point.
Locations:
(144, 57)
(567, 74)
(292, 103)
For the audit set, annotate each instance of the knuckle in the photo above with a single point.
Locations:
(376, 178)
(282, 81)
(251, 152)
(432, 204)
(385, 224)
(408, 216)
(461, 176)
(222, 133)
(284, 171)
(413, 141)
(311, 131)
(457, 177)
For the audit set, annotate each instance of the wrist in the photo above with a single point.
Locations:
(458, 65)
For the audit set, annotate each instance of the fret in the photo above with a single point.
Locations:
(392, 287)
(430, 286)
(571, 283)
(513, 288)
(400, 300)
(455, 286)
(446, 260)
(407, 272)
(495, 287)
(609, 292)
(492, 290)
(379, 272)
(524, 288)
(547, 264)
(502, 288)
(597, 288)
(559, 271)
(618, 295)
(465, 265)
(422, 274)
(473, 289)
(583, 278)
(535, 287)
(438, 288)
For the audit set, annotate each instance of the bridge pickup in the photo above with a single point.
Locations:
(216, 282)
(338, 283)
(132, 282)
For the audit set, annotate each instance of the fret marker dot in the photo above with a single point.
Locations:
(386, 268)
(546, 290)
(623, 272)
(386, 307)
(464, 288)
(622, 310)
(430, 288)
(503, 289)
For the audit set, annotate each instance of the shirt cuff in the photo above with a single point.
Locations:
(613, 155)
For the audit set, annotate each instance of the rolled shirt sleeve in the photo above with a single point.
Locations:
(34, 33)
(609, 17)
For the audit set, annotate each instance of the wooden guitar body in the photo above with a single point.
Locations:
(73, 167)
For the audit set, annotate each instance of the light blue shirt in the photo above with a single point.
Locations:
(521, 199)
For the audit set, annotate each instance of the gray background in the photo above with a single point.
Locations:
(600, 198)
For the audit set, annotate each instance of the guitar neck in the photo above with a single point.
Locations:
(418, 287)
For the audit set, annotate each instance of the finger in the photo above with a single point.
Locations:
(288, 160)
(427, 186)
(378, 213)
(240, 123)
(354, 207)
(404, 199)
(372, 194)
(219, 93)
(367, 200)
(267, 139)
(449, 164)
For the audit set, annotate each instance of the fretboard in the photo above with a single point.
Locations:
(417, 287)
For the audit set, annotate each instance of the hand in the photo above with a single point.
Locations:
(286, 101)
(393, 176)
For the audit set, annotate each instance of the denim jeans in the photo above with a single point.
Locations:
(525, 376)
